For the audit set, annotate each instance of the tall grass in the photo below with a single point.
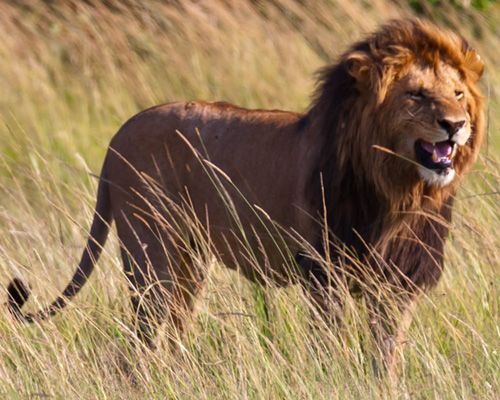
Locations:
(72, 72)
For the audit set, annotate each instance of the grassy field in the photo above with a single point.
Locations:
(71, 73)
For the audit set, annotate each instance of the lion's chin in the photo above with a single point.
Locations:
(437, 178)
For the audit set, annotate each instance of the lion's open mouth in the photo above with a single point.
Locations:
(435, 156)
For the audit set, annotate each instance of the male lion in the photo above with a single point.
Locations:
(367, 177)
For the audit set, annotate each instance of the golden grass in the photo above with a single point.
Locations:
(72, 72)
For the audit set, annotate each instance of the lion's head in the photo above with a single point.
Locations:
(431, 120)
(410, 111)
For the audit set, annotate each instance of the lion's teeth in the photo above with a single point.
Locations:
(453, 152)
(434, 156)
(433, 144)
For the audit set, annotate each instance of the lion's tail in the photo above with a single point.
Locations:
(18, 292)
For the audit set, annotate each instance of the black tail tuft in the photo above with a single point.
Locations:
(18, 292)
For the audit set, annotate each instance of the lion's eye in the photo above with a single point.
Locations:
(459, 94)
(416, 95)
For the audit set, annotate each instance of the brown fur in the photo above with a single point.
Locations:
(351, 154)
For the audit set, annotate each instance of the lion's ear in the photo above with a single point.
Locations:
(474, 64)
(370, 77)
(358, 66)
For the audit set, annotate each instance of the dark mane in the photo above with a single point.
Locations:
(371, 207)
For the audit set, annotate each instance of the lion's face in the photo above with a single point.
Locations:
(431, 122)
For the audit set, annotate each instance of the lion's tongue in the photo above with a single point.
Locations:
(442, 149)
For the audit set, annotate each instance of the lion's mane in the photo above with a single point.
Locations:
(374, 206)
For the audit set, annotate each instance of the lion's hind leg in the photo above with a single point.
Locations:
(163, 308)
(166, 278)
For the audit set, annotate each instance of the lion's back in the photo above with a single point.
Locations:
(255, 153)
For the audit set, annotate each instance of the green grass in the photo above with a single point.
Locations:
(72, 72)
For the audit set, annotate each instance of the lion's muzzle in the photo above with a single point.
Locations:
(437, 157)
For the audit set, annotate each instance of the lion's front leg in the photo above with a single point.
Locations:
(389, 322)
(328, 303)
(328, 293)
(326, 289)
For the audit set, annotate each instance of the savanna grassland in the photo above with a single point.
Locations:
(72, 72)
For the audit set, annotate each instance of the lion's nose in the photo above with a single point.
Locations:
(450, 126)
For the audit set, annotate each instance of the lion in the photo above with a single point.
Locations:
(360, 186)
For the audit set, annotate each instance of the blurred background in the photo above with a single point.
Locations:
(72, 72)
